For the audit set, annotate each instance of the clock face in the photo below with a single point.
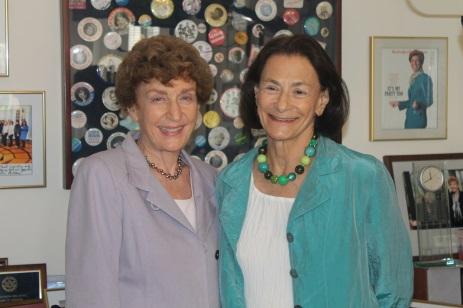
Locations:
(431, 178)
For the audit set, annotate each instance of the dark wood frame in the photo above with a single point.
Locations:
(41, 267)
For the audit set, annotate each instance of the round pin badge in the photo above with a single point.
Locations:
(230, 101)
(101, 4)
(186, 30)
(237, 157)
(239, 4)
(191, 7)
(241, 38)
(243, 74)
(258, 30)
(112, 40)
(79, 133)
(226, 75)
(216, 159)
(284, 32)
(312, 26)
(78, 119)
(238, 123)
(122, 2)
(199, 120)
(93, 137)
(213, 97)
(162, 9)
(291, 17)
(109, 120)
(219, 57)
(109, 99)
(202, 28)
(324, 32)
(211, 119)
(75, 165)
(236, 55)
(266, 10)
(213, 69)
(259, 141)
(145, 20)
(115, 140)
(200, 141)
(119, 20)
(240, 138)
(216, 37)
(81, 57)
(215, 15)
(204, 49)
(324, 10)
(90, 29)
(82, 93)
(239, 22)
(218, 138)
(76, 145)
(107, 67)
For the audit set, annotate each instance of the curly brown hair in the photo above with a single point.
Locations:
(162, 58)
(418, 53)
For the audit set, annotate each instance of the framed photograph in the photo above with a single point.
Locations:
(22, 284)
(401, 168)
(408, 88)
(3, 38)
(228, 34)
(55, 297)
(22, 140)
(3, 261)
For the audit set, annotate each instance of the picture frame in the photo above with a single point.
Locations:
(399, 165)
(22, 284)
(89, 67)
(22, 147)
(54, 296)
(408, 102)
(3, 261)
(4, 46)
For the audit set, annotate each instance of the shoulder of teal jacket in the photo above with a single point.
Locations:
(234, 172)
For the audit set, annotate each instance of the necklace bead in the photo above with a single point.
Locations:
(172, 177)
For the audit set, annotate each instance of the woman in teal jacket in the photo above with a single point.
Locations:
(326, 234)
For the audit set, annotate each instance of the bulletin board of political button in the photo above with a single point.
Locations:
(228, 35)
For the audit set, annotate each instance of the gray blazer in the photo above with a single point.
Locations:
(128, 243)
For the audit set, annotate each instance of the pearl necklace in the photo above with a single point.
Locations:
(262, 163)
(172, 177)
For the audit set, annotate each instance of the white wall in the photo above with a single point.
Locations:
(32, 221)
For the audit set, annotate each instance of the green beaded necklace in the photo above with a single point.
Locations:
(263, 166)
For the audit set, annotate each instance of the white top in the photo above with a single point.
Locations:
(262, 251)
(188, 208)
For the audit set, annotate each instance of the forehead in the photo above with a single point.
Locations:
(289, 67)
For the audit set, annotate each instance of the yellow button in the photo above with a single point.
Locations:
(211, 119)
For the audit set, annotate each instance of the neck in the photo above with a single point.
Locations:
(165, 160)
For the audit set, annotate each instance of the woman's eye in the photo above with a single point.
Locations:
(187, 98)
(270, 89)
(300, 92)
(158, 99)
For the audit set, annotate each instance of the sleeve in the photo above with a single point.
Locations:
(404, 104)
(389, 249)
(424, 97)
(93, 241)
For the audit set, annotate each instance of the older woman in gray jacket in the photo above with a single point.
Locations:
(141, 227)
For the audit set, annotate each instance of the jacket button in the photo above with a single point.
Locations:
(298, 306)
(289, 237)
(216, 255)
(293, 273)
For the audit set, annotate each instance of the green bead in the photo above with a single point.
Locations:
(283, 180)
(261, 158)
(313, 142)
(310, 151)
(263, 167)
(305, 160)
(291, 176)
(274, 179)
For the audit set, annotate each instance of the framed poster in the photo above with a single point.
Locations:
(228, 34)
(22, 142)
(408, 88)
(3, 38)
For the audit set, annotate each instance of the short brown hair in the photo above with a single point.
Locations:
(417, 53)
(452, 179)
(162, 58)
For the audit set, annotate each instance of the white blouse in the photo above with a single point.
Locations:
(188, 209)
(262, 251)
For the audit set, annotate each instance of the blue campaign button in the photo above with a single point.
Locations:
(311, 26)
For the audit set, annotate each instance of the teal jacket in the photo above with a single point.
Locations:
(347, 242)
(420, 91)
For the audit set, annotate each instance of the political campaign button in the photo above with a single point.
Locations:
(200, 141)
(78, 133)
(204, 49)
(243, 74)
(237, 157)
(215, 15)
(218, 138)
(127, 122)
(226, 75)
(82, 93)
(324, 32)
(216, 37)
(162, 9)
(213, 97)
(81, 57)
(75, 165)
(216, 159)
(241, 138)
(145, 20)
(291, 16)
(109, 120)
(284, 32)
(238, 123)
(324, 10)
(253, 53)
(112, 40)
(100, 4)
(90, 29)
(202, 28)
(257, 132)
(213, 69)
(311, 26)
(236, 55)
(230, 101)
(239, 3)
(119, 20)
(115, 140)
(77, 4)
(186, 30)
(239, 22)
(259, 141)
(241, 38)
(211, 119)
(76, 145)
(266, 10)
(199, 120)
(78, 119)
(93, 137)
(323, 44)
(294, 4)
(219, 57)
(258, 30)
(122, 2)
(109, 99)
(191, 7)
(107, 67)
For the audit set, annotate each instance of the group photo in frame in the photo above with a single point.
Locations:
(408, 88)
(401, 167)
(3, 38)
(22, 140)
